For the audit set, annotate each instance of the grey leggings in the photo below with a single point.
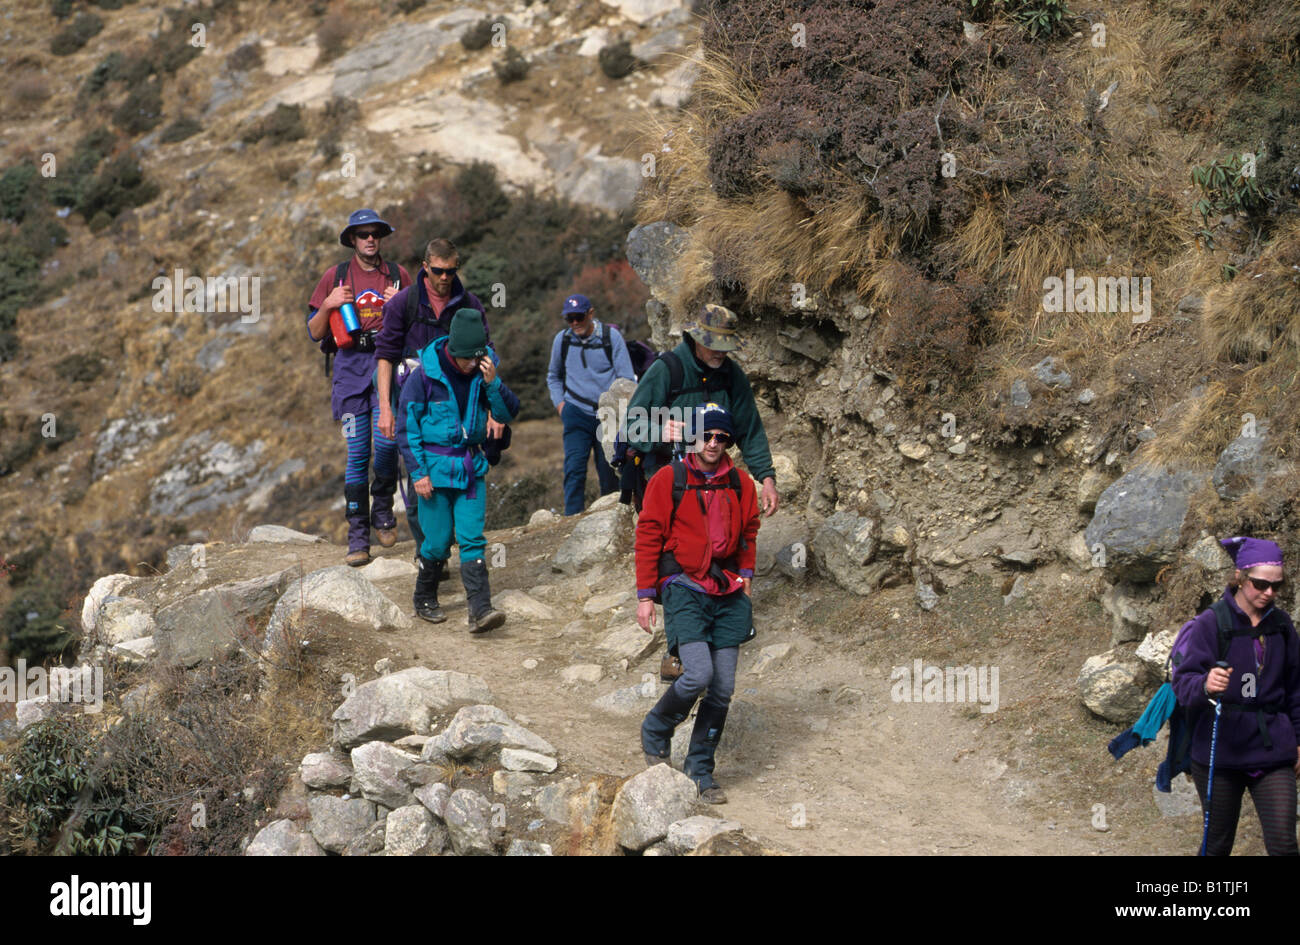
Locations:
(706, 668)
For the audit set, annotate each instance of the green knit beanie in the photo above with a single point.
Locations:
(467, 339)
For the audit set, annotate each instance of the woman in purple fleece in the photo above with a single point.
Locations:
(1259, 723)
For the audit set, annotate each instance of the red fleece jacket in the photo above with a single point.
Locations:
(689, 538)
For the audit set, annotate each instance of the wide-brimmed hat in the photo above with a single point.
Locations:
(361, 218)
(714, 326)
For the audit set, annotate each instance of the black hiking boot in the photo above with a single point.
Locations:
(482, 615)
(431, 573)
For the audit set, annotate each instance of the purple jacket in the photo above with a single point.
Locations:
(396, 339)
(1275, 704)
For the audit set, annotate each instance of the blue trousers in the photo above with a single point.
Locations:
(579, 441)
(452, 510)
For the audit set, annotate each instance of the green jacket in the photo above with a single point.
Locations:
(733, 393)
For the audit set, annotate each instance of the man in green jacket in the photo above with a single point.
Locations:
(656, 421)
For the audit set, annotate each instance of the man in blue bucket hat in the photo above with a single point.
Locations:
(344, 315)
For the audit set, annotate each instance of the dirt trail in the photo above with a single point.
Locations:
(817, 759)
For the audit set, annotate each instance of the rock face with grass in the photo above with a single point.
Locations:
(403, 703)
(1138, 520)
(216, 621)
(598, 536)
(339, 590)
(1247, 465)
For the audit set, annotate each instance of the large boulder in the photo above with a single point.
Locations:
(413, 831)
(1131, 609)
(1246, 465)
(335, 822)
(383, 774)
(469, 822)
(785, 535)
(479, 731)
(111, 585)
(598, 537)
(123, 619)
(278, 534)
(693, 832)
(845, 548)
(1138, 519)
(613, 405)
(1153, 652)
(323, 770)
(403, 703)
(653, 250)
(338, 590)
(214, 622)
(1112, 685)
(283, 838)
(649, 803)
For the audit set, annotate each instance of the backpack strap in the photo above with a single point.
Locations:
(565, 343)
(676, 375)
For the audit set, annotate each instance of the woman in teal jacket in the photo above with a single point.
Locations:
(441, 425)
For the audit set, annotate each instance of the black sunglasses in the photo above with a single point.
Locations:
(1262, 585)
(575, 317)
(366, 234)
(438, 271)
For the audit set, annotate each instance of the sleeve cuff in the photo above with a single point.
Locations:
(747, 572)
(645, 593)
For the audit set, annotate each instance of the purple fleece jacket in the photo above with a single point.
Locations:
(1277, 684)
(396, 337)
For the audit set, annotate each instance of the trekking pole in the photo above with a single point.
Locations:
(1209, 785)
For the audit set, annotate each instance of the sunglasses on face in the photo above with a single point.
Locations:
(574, 317)
(723, 439)
(1261, 585)
(439, 271)
(366, 234)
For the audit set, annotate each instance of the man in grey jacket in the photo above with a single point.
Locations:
(586, 358)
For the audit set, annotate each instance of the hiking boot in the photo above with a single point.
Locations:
(382, 518)
(431, 573)
(356, 507)
(652, 760)
(670, 667)
(713, 795)
(482, 615)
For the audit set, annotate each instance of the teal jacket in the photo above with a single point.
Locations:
(438, 436)
(727, 386)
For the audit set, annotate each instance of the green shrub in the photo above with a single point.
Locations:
(1225, 188)
(68, 792)
(410, 6)
(142, 110)
(79, 32)
(511, 67)
(17, 191)
(337, 115)
(616, 60)
(61, 9)
(245, 58)
(478, 34)
(279, 127)
(171, 48)
(81, 368)
(119, 185)
(115, 67)
(332, 35)
(179, 130)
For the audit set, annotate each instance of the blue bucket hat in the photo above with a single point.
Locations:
(361, 218)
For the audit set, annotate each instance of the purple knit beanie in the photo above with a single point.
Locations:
(1252, 552)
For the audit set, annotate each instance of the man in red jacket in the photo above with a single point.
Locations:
(695, 549)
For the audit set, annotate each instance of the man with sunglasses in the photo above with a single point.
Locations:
(366, 282)
(586, 358)
(413, 318)
(695, 551)
(697, 371)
